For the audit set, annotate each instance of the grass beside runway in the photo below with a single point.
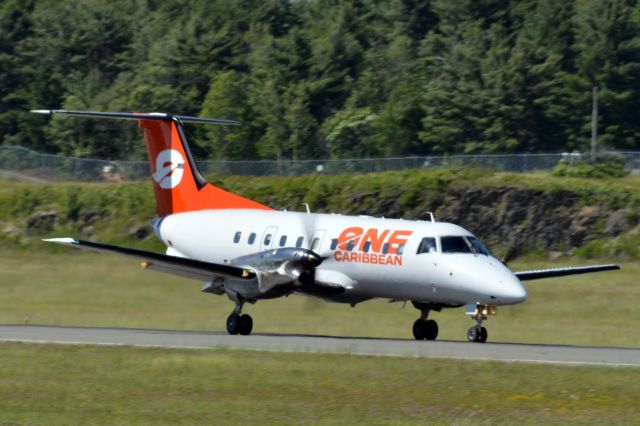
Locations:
(56, 384)
(84, 289)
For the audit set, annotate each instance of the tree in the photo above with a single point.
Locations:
(228, 98)
(324, 77)
(348, 134)
(608, 38)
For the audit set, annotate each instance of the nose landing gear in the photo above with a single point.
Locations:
(477, 333)
(424, 328)
(479, 313)
(238, 323)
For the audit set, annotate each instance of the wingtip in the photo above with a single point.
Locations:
(65, 240)
(41, 111)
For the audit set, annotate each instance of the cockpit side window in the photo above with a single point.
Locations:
(427, 245)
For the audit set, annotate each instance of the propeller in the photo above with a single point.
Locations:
(310, 230)
(311, 261)
(315, 258)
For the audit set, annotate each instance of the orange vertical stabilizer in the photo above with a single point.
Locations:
(178, 185)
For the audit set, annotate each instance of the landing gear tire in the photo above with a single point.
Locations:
(425, 329)
(483, 335)
(233, 324)
(239, 324)
(477, 334)
(246, 324)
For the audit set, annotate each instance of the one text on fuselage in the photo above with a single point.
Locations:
(373, 246)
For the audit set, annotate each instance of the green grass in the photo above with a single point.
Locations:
(546, 181)
(76, 288)
(51, 384)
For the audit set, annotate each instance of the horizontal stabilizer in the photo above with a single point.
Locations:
(184, 267)
(137, 116)
(561, 272)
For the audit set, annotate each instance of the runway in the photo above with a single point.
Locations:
(509, 352)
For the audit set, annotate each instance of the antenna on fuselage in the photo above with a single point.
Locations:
(433, 219)
(307, 207)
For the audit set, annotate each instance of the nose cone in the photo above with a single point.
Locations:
(313, 258)
(511, 291)
(503, 287)
(490, 282)
(308, 258)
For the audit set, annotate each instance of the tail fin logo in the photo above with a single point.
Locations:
(169, 168)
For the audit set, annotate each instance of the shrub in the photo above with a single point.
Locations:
(612, 167)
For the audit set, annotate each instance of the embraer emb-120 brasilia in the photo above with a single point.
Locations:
(252, 252)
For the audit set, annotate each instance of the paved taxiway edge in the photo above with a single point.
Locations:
(572, 355)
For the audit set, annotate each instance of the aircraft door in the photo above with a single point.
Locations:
(268, 238)
(316, 241)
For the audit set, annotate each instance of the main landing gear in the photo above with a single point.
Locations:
(238, 323)
(479, 313)
(424, 328)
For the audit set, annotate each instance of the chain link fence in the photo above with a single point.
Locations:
(27, 164)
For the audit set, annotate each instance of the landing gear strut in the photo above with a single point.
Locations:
(424, 328)
(479, 313)
(238, 323)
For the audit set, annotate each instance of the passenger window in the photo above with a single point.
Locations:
(315, 243)
(299, 242)
(400, 249)
(267, 239)
(366, 247)
(385, 248)
(334, 243)
(350, 245)
(236, 238)
(283, 240)
(252, 238)
(427, 245)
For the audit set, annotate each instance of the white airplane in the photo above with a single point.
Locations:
(252, 252)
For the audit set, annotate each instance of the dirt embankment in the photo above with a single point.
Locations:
(528, 219)
(504, 216)
(519, 219)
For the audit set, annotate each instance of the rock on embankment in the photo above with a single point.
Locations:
(519, 218)
(529, 219)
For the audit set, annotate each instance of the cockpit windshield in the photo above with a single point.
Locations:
(462, 244)
(478, 246)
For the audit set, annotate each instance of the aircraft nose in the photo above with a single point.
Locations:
(512, 291)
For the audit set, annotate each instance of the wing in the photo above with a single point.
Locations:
(561, 272)
(184, 267)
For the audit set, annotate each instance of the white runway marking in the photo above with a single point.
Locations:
(548, 354)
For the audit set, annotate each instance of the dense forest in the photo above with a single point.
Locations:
(324, 78)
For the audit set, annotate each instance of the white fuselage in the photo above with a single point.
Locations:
(371, 257)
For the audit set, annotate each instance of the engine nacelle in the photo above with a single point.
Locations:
(280, 267)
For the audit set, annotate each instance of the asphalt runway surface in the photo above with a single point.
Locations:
(509, 352)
